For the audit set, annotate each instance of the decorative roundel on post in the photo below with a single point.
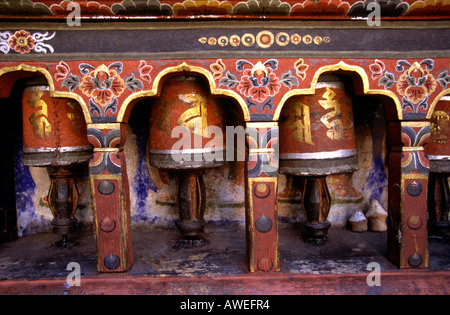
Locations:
(107, 225)
(414, 189)
(261, 190)
(106, 187)
(263, 224)
(111, 261)
(415, 260)
(265, 264)
(414, 222)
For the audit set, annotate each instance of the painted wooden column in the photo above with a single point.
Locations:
(261, 196)
(408, 182)
(110, 197)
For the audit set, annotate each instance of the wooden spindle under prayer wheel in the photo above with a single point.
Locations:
(181, 122)
(55, 137)
(317, 139)
(438, 151)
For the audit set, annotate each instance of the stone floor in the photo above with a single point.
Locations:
(35, 258)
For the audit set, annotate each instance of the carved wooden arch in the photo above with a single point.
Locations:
(341, 66)
(128, 103)
(436, 100)
(53, 92)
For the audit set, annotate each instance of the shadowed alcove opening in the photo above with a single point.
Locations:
(218, 244)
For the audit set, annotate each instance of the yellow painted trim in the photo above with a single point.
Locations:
(336, 67)
(416, 124)
(105, 126)
(268, 124)
(436, 100)
(181, 69)
(53, 93)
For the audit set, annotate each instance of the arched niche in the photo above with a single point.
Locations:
(182, 69)
(137, 118)
(360, 85)
(10, 75)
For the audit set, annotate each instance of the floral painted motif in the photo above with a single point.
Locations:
(103, 84)
(144, 70)
(24, 42)
(301, 68)
(259, 82)
(218, 68)
(415, 83)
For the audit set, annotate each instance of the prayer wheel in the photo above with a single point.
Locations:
(55, 137)
(186, 128)
(438, 151)
(317, 139)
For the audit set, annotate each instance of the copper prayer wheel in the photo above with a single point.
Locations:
(181, 140)
(185, 106)
(317, 139)
(438, 151)
(438, 147)
(54, 130)
(55, 136)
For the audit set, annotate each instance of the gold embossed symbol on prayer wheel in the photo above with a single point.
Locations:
(438, 152)
(181, 140)
(55, 137)
(317, 139)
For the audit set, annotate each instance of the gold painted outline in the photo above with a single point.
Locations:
(53, 93)
(415, 124)
(105, 126)
(436, 100)
(336, 67)
(268, 124)
(251, 222)
(184, 67)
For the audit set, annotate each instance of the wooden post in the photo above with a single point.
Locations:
(408, 182)
(261, 197)
(110, 197)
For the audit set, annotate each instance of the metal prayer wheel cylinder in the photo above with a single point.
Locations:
(318, 139)
(438, 151)
(318, 133)
(54, 130)
(181, 122)
(185, 108)
(55, 136)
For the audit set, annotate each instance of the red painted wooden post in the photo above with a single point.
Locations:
(110, 197)
(408, 182)
(261, 197)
